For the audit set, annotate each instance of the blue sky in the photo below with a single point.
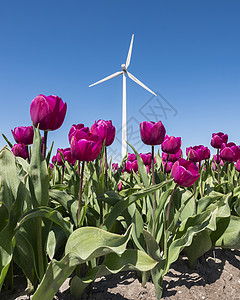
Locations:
(188, 51)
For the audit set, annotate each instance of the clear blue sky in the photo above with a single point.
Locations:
(189, 51)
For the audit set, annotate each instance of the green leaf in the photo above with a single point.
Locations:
(231, 236)
(38, 177)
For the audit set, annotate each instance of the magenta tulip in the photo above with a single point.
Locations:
(23, 134)
(48, 111)
(105, 130)
(20, 149)
(115, 167)
(146, 158)
(152, 133)
(237, 165)
(171, 144)
(229, 152)
(120, 186)
(218, 139)
(172, 157)
(197, 153)
(131, 157)
(184, 172)
(66, 155)
(76, 128)
(167, 167)
(85, 146)
(131, 166)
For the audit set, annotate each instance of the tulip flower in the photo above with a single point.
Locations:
(115, 167)
(23, 134)
(131, 166)
(146, 158)
(172, 157)
(120, 186)
(152, 133)
(131, 157)
(171, 144)
(66, 155)
(167, 166)
(218, 139)
(229, 152)
(184, 172)
(85, 146)
(48, 112)
(105, 130)
(76, 128)
(237, 165)
(20, 149)
(197, 153)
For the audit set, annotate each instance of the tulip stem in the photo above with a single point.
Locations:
(106, 166)
(154, 193)
(237, 180)
(44, 144)
(169, 206)
(218, 166)
(62, 174)
(165, 167)
(80, 192)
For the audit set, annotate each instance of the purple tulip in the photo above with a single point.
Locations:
(171, 144)
(20, 149)
(184, 172)
(197, 153)
(48, 111)
(105, 130)
(218, 139)
(131, 166)
(66, 155)
(85, 146)
(168, 167)
(237, 165)
(75, 128)
(146, 158)
(115, 167)
(131, 157)
(23, 134)
(54, 159)
(229, 152)
(152, 133)
(172, 157)
(216, 160)
(120, 186)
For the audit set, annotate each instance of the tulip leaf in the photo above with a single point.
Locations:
(83, 245)
(38, 177)
(122, 205)
(49, 213)
(113, 263)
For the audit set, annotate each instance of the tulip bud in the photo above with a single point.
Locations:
(23, 134)
(152, 133)
(184, 172)
(171, 144)
(48, 111)
(218, 139)
(105, 130)
(229, 152)
(20, 149)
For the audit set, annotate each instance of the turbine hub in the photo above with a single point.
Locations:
(123, 66)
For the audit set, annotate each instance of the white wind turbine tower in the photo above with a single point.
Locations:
(124, 72)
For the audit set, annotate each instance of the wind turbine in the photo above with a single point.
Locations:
(124, 72)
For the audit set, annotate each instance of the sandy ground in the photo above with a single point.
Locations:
(216, 276)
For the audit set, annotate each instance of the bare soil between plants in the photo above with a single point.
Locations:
(216, 276)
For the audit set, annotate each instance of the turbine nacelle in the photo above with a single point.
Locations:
(123, 66)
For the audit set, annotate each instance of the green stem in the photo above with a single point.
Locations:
(237, 180)
(40, 247)
(169, 206)
(80, 192)
(165, 167)
(106, 167)
(154, 193)
(62, 174)
(218, 166)
(194, 196)
(44, 148)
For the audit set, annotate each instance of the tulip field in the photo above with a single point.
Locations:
(77, 213)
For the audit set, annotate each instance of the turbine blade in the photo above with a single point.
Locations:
(129, 53)
(107, 78)
(140, 83)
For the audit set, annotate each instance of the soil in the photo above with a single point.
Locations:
(216, 276)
